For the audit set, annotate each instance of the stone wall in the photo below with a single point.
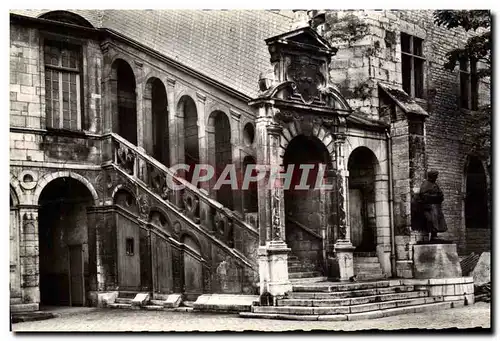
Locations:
(358, 67)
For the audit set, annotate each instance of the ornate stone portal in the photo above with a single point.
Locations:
(297, 99)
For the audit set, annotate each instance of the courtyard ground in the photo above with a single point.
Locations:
(97, 320)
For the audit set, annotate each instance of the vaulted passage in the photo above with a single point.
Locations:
(362, 213)
(63, 242)
(125, 101)
(305, 207)
(476, 208)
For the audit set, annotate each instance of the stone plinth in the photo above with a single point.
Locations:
(436, 261)
(273, 269)
(343, 252)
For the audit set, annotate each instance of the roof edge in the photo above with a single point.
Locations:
(101, 33)
(402, 99)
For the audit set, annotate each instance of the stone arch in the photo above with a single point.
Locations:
(130, 203)
(44, 180)
(295, 128)
(15, 188)
(220, 152)
(307, 206)
(14, 199)
(156, 120)
(163, 214)
(363, 167)
(183, 96)
(66, 17)
(63, 240)
(187, 109)
(123, 82)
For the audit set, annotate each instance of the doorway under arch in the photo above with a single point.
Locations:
(362, 166)
(477, 222)
(306, 208)
(63, 242)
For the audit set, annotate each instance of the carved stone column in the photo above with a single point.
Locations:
(29, 255)
(172, 122)
(273, 252)
(343, 246)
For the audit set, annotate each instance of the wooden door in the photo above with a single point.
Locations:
(76, 276)
(129, 267)
(356, 215)
(163, 277)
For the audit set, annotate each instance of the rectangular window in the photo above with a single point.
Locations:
(62, 85)
(129, 246)
(412, 67)
(468, 84)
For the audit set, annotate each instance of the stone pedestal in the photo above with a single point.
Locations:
(343, 251)
(436, 261)
(273, 269)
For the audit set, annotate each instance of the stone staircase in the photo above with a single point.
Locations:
(302, 272)
(367, 267)
(336, 301)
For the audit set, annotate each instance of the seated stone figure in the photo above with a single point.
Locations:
(426, 208)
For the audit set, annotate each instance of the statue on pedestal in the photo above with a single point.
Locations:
(427, 213)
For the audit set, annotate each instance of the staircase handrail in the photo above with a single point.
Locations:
(184, 182)
(302, 226)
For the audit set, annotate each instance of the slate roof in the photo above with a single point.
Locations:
(227, 46)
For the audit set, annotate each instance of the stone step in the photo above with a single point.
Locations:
(367, 266)
(300, 267)
(358, 260)
(127, 294)
(16, 300)
(306, 274)
(365, 254)
(299, 281)
(24, 307)
(153, 307)
(350, 293)
(359, 308)
(358, 316)
(121, 306)
(370, 276)
(346, 286)
(124, 300)
(303, 302)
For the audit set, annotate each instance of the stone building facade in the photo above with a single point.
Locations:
(102, 105)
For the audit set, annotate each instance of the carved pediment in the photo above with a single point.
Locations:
(305, 36)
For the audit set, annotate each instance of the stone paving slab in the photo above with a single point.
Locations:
(477, 315)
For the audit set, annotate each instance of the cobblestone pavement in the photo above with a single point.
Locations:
(477, 315)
